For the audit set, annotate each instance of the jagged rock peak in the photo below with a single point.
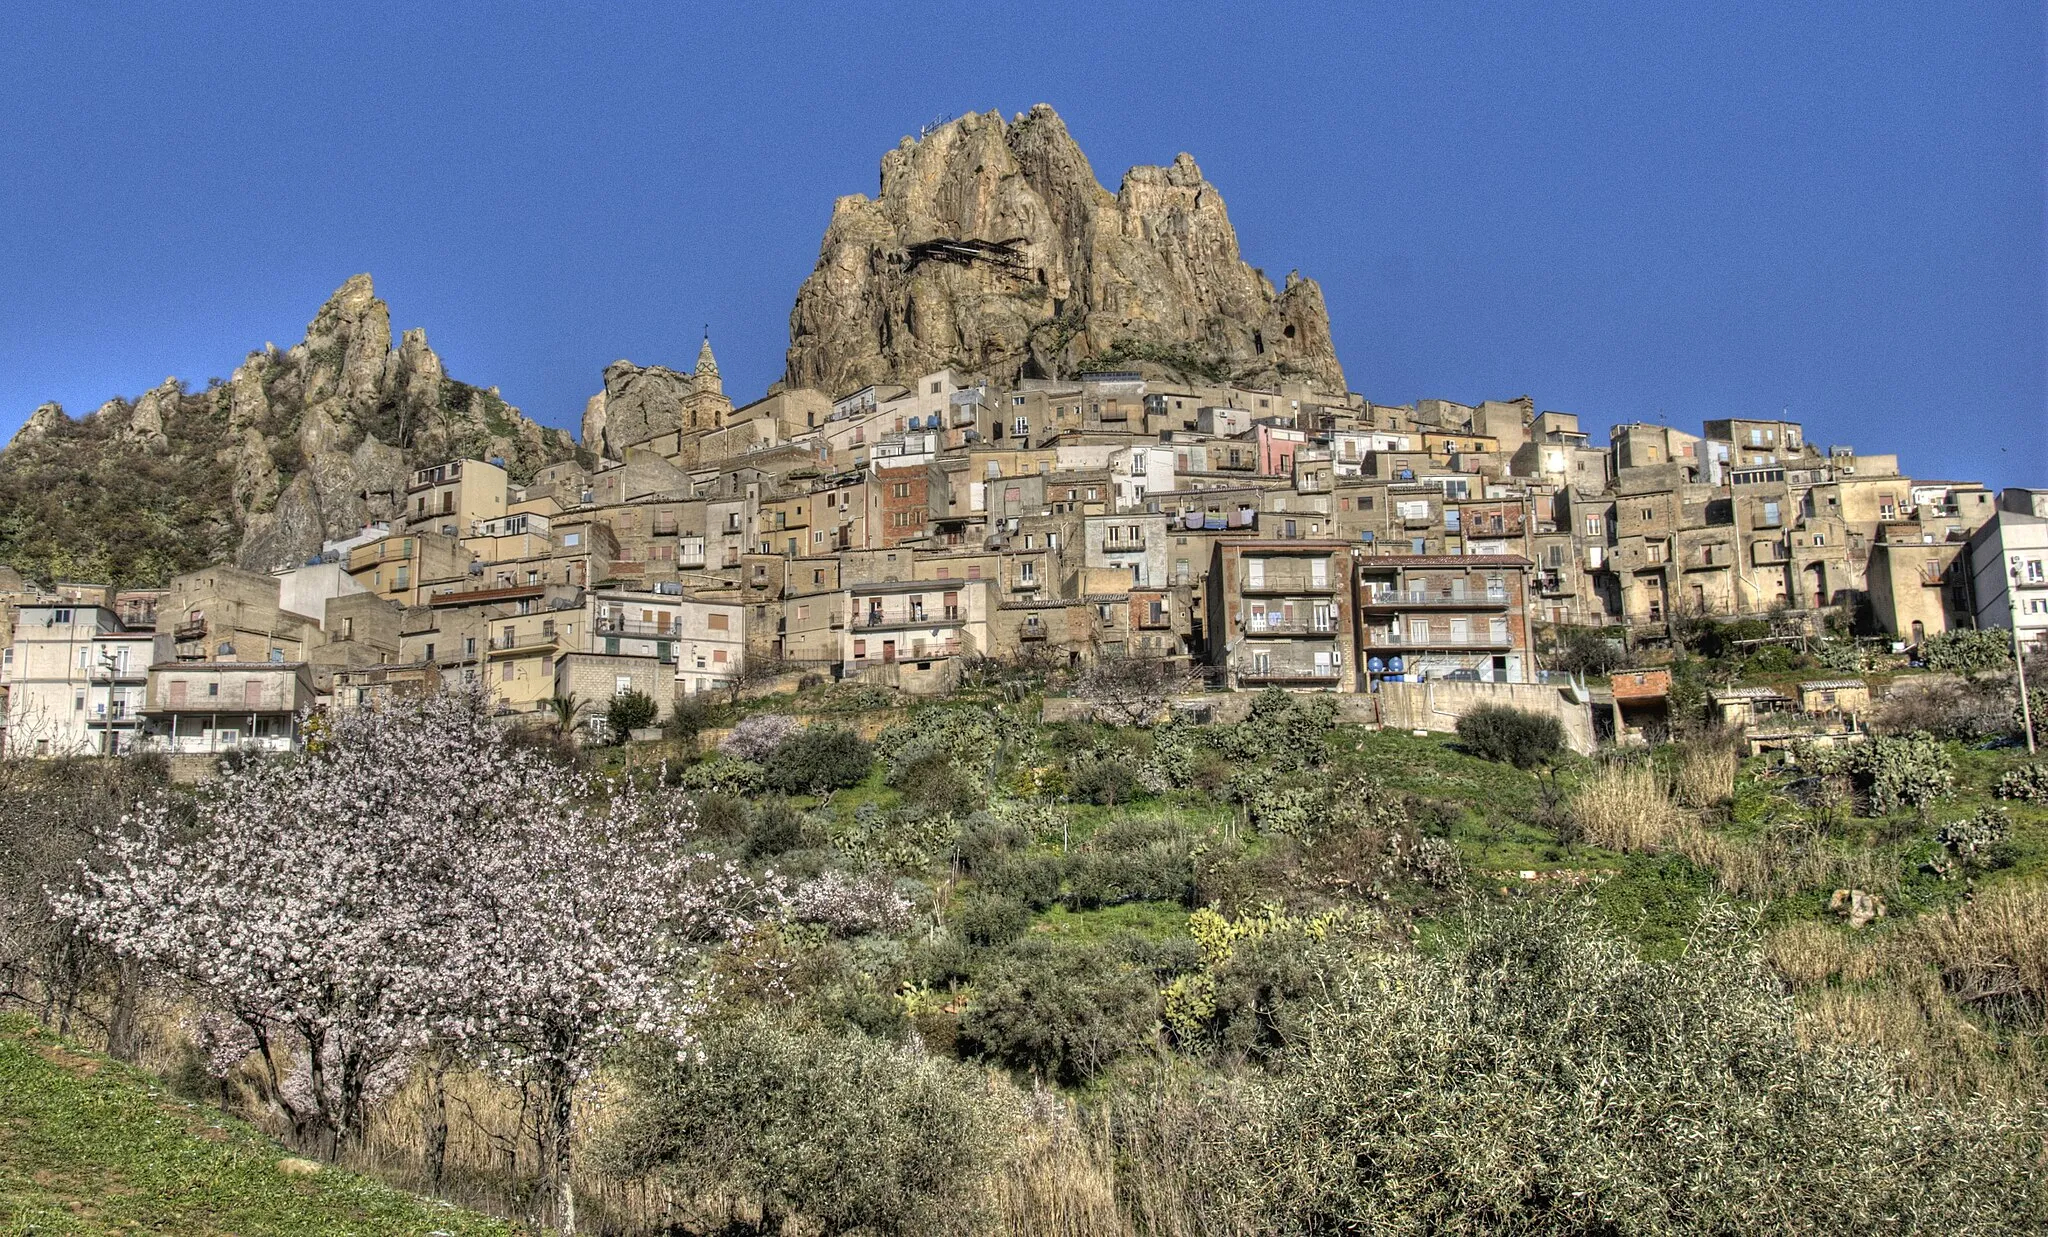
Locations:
(991, 247)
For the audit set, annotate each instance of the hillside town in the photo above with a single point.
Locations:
(1419, 559)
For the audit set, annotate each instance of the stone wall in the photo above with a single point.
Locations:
(1438, 705)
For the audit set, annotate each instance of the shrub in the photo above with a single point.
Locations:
(1585, 650)
(1948, 709)
(1968, 651)
(937, 783)
(693, 714)
(1032, 879)
(1535, 1076)
(1511, 736)
(1101, 777)
(821, 759)
(986, 918)
(722, 774)
(1624, 806)
(2028, 783)
(1904, 771)
(775, 827)
(757, 737)
(627, 712)
(1061, 1013)
(850, 905)
(848, 1133)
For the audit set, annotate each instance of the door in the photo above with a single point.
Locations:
(888, 650)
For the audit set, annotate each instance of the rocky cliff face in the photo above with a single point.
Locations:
(296, 447)
(991, 247)
(637, 403)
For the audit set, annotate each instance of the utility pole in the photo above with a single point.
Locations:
(2019, 659)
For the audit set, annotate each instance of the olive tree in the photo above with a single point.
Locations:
(1536, 1076)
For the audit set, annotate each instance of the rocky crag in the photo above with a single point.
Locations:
(298, 446)
(992, 248)
(640, 402)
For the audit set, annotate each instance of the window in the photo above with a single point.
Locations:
(903, 489)
(860, 648)
(1594, 526)
(715, 622)
(61, 617)
(1771, 515)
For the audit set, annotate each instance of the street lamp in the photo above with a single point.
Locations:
(2019, 661)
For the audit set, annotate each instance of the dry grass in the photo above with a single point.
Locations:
(1706, 774)
(1936, 1047)
(1058, 1181)
(1624, 806)
(1782, 863)
(1993, 953)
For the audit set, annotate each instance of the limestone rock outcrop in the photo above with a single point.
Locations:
(992, 248)
(296, 447)
(640, 402)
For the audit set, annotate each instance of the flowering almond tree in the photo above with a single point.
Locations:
(413, 879)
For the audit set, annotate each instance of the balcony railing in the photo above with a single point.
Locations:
(195, 630)
(1426, 599)
(1438, 640)
(1032, 631)
(1129, 541)
(1289, 585)
(1289, 674)
(512, 643)
(1271, 626)
(634, 627)
(908, 618)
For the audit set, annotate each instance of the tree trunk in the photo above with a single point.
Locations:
(121, 1023)
(434, 1122)
(561, 1117)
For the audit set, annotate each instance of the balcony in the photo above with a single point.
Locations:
(1551, 584)
(185, 632)
(480, 596)
(1032, 631)
(1129, 541)
(1420, 599)
(1024, 584)
(1438, 640)
(911, 618)
(1271, 585)
(632, 627)
(1289, 674)
(1273, 626)
(516, 643)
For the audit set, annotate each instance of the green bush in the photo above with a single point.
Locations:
(1587, 650)
(844, 1132)
(775, 828)
(936, 783)
(627, 712)
(2028, 783)
(1101, 777)
(1968, 651)
(722, 775)
(1034, 880)
(1903, 771)
(821, 759)
(1535, 1076)
(1061, 1013)
(1511, 736)
(986, 918)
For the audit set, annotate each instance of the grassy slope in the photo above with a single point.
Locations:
(88, 1145)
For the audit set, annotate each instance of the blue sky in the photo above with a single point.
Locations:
(1632, 212)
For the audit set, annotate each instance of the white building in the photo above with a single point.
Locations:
(2009, 575)
(703, 641)
(76, 680)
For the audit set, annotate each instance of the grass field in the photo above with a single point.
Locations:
(88, 1145)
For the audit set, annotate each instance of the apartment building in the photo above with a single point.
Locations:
(2008, 561)
(1455, 617)
(1280, 614)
